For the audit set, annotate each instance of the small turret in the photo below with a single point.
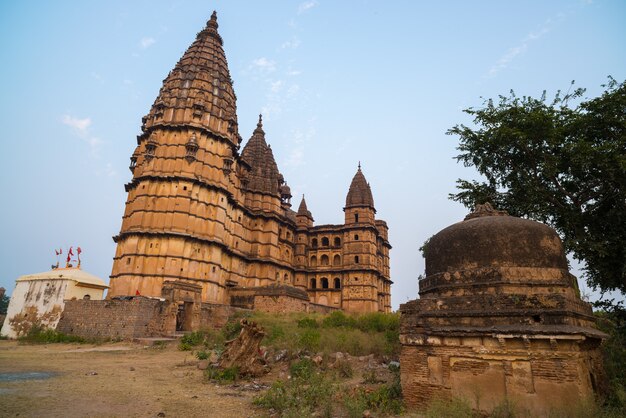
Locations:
(304, 218)
(264, 176)
(359, 201)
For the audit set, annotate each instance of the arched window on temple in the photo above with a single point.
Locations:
(325, 242)
(313, 283)
(314, 243)
(324, 260)
(336, 260)
(313, 261)
(337, 283)
(324, 282)
(337, 242)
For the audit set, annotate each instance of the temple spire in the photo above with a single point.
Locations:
(360, 193)
(198, 92)
(303, 211)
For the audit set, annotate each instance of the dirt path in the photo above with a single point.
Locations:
(114, 380)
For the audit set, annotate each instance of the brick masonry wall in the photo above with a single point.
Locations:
(322, 309)
(279, 304)
(115, 319)
(215, 316)
(537, 375)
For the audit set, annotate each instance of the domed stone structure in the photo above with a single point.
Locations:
(499, 316)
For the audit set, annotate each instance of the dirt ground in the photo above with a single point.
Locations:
(115, 380)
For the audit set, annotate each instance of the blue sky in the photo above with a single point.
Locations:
(337, 82)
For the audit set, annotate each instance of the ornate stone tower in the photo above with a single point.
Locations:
(201, 217)
(366, 251)
(347, 265)
(179, 207)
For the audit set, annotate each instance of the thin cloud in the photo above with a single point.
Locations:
(97, 77)
(300, 139)
(146, 42)
(80, 128)
(293, 43)
(307, 5)
(509, 56)
(79, 125)
(263, 65)
(275, 86)
(109, 170)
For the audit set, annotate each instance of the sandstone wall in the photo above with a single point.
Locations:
(537, 375)
(322, 309)
(115, 319)
(215, 316)
(134, 318)
(279, 304)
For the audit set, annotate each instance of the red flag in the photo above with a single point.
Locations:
(78, 250)
(56, 251)
(137, 293)
(70, 252)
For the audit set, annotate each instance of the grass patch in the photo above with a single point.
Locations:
(227, 375)
(299, 397)
(450, 408)
(302, 369)
(357, 335)
(209, 339)
(40, 335)
(384, 399)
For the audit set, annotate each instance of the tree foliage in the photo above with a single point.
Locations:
(4, 305)
(557, 163)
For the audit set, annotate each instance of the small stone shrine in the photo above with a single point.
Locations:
(499, 318)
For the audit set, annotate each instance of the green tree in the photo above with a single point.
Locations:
(4, 304)
(558, 163)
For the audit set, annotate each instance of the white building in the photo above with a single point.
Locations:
(38, 299)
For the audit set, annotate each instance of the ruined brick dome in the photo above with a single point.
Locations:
(490, 238)
(496, 270)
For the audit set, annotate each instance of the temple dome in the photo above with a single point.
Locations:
(360, 193)
(489, 238)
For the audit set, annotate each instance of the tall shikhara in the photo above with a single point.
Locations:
(200, 213)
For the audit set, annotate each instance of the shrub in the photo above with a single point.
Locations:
(370, 377)
(450, 408)
(39, 335)
(192, 339)
(275, 332)
(229, 374)
(338, 319)
(231, 329)
(202, 355)
(302, 369)
(308, 323)
(207, 338)
(182, 346)
(378, 322)
(299, 397)
(310, 339)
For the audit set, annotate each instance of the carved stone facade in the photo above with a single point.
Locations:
(499, 317)
(198, 211)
